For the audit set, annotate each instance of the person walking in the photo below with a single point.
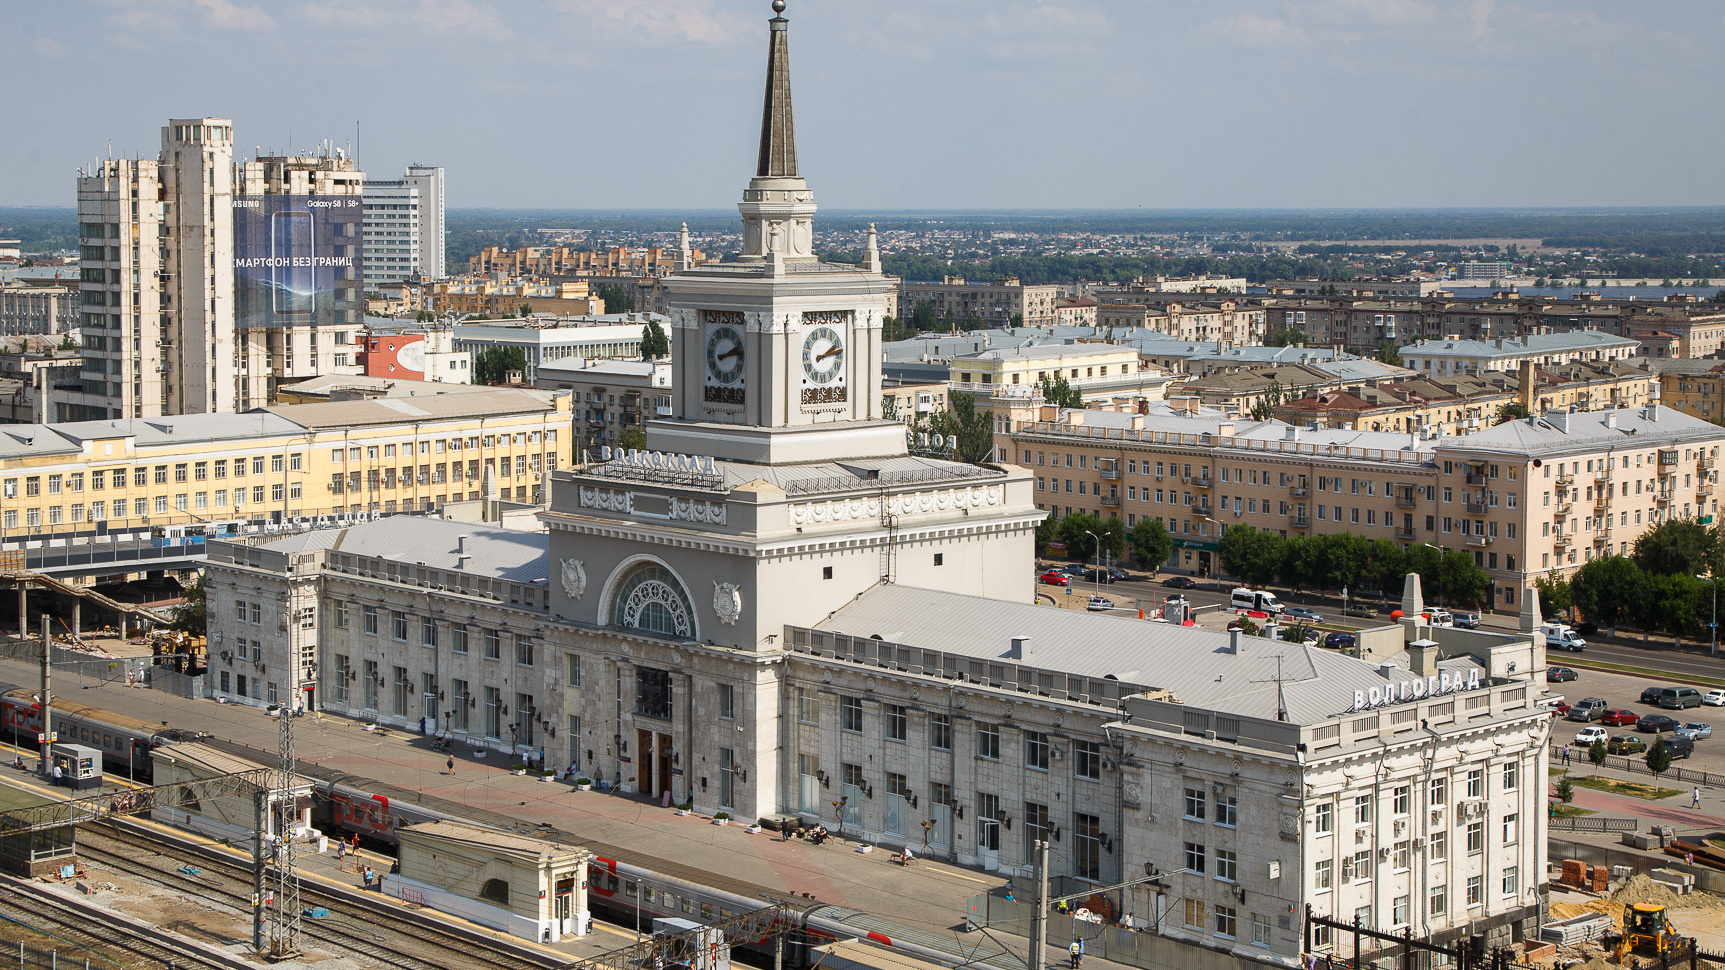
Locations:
(1566, 754)
(367, 875)
(1076, 950)
(451, 764)
(1695, 798)
(340, 850)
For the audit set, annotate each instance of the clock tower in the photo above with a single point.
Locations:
(778, 355)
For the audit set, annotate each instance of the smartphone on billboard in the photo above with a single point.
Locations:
(294, 282)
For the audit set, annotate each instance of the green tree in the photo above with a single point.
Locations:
(1513, 411)
(493, 364)
(1566, 789)
(1047, 533)
(1286, 337)
(1658, 759)
(425, 316)
(1151, 543)
(1114, 538)
(922, 317)
(633, 437)
(1677, 546)
(1389, 353)
(1058, 391)
(67, 343)
(1555, 596)
(1461, 580)
(525, 311)
(617, 298)
(1075, 533)
(1604, 590)
(1252, 555)
(1596, 756)
(191, 615)
(1266, 407)
(971, 425)
(654, 343)
(1247, 627)
(1386, 566)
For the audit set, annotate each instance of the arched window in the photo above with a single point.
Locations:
(651, 600)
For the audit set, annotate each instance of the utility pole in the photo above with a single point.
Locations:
(1039, 926)
(47, 698)
(260, 827)
(287, 911)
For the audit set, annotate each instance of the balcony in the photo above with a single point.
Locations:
(1110, 474)
(1564, 506)
(1564, 481)
(1705, 488)
(1561, 539)
(1405, 500)
(1601, 536)
(1706, 461)
(1476, 479)
(1477, 540)
(1404, 532)
(1111, 501)
(1298, 491)
(1298, 520)
(1202, 508)
(1662, 497)
(1203, 482)
(1600, 499)
(1601, 476)
(1476, 508)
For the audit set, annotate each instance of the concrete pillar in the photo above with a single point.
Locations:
(77, 616)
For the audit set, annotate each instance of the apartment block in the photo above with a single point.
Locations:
(509, 297)
(1224, 321)
(609, 396)
(1001, 303)
(1528, 497)
(98, 481)
(1695, 387)
(1441, 357)
(404, 227)
(29, 306)
(546, 262)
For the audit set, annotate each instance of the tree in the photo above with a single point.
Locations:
(1253, 555)
(617, 298)
(1677, 546)
(191, 615)
(632, 438)
(1076, 531)
(1151, 543)
(1271, 400)
(654, 343)
(971, 425)
(1389, 353)
(1461, 580)
(1605, 589)
(1596, 756)
(1566, 789)
(525, 311)
(1658, 759)
(493, 364)
(67, 343)
(1058, 391)
(425, 316)
(1513, 411)
(1047, 533)
(1555, 595)
(1286, 337)
(1386, 566)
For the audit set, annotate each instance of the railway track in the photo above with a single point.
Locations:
(107, 947)
(349, 929)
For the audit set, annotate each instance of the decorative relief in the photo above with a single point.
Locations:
(727, 602)
(1290, 827)
(574, 578)
(732, 317)
(867, 507)
(829, 318)
(714, 394)
(695, 510)
(1132, 793)
(656, 593)
(606, 500)
(824, 395)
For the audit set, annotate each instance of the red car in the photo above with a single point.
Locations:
(1620, 717)
(1053, 578)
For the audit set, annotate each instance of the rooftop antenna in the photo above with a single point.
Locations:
(1281, 694)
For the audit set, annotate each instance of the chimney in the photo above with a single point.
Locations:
(1234, 638)
(1020, 649)
(1423, 657)
(1525, 391)
(1611, 418)
(460, 544)
(461, 563)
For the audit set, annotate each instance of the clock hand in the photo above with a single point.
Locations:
(834, 349)
(733, 352)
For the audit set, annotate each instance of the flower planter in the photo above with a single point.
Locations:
(518, 771)
(721, 821)
(753, 830)
(682, 811)
(583, 787)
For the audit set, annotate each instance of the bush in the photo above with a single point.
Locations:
(721, 815)
(1566, 789)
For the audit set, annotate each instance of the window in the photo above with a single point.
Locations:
(1439, 792)
(727, 701)
(1403, 856)
(523, 650)
(653, 693)
(1476, 836)
(239, 613)
(1086, 760)
(1438, 844)
(398, 625)
(1195, 804)
(1399, 911)
(1475, 890)
(897, 723)
(1509, 826)
(1362, 809)
(1036, 750)
(1362, 866)
(1511, 776)
(340, 615)
(572, 670)
(371, 620)
(1511, 881)
(458, 639)
(1225, 921)
(1227, 810)
(1322, 874)
(940, 732)
(428, 632)
(493, 645)
(1475, 783)
(1323, 817)
(1227, 865)
(1260, 930)
(808, 707)
(1438, 901)
(851, 714)
(988, 741)
(1403, 800)
(1087, 851)
(1195, 913)
(1195, 857)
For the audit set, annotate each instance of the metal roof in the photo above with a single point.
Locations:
(1538, 343)
(521, 557)
(486, 402)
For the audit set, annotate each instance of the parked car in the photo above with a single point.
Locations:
(1179, 582)
(1119, 574)
(1587, 709)
(1368, 593)
(1302, 613)
(1619, 717)
(1656, 723)
(1340, 641)
(1587, 629)
(1699, 730)
(1360, 609)
(1074, 569)
(1053, 578)
(1714, 698)
(1650, 694)
(1626, 744)
(1099, 603)
(1557, 675)
(1099, 576)
(1678, 698)
(1467, 621)
(1588, 735)
(1680, 747)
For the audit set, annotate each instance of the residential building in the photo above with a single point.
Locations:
(505, 297)
(1695, 387)
(404, 227)
(1148, 287)
(156, 247)
(913, 404)
(609, 396)
(1483, 270)
(1082, 364)
(1075, 311)
(1223, 321)
(554, 263)
(1005, 302)
(38, 306)
(98, 481)
(418, 352)
(1362, 287)
(1444, 357)
(548, 339)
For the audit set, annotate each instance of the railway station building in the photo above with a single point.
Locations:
(777, 610)
(527, 887)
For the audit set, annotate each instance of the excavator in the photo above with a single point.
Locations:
(1646, 928)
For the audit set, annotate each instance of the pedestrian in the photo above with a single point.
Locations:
(909, 856)
(1566, 754)
(1695, 798)
(451, 764)
(367, 877)
(1077, 953)
(56, 776)
(422, 725)
(340, 850)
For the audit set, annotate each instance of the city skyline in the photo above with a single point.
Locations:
(1334, 103)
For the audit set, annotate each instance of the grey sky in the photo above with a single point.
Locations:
(907, 103)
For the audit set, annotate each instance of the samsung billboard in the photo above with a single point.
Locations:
(297, 260)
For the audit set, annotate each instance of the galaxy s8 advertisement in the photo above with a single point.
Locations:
(297, 260)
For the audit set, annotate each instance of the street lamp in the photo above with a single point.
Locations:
(1098, 575)
(1713, 627)
(1441, 553)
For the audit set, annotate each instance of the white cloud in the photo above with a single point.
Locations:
(49, 47)
(1253, 30)
(230, 16)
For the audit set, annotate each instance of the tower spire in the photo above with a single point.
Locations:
(778, 132)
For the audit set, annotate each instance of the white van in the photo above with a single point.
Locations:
(1559, 636)
(1255, 599)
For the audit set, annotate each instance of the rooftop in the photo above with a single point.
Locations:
(521, 557)
(1047, 351)
(1588, 431)
(1538, 343)
(497, 840)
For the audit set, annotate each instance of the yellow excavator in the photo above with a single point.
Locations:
(1647, 929)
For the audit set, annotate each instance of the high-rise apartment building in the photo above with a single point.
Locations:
(156, 286)
(404, 231)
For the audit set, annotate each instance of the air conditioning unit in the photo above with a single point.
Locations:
(1401, 826)
(1361, 834)
(1384, 854)
(1437, 815)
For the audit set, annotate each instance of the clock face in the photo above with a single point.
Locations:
(823, 356)
(724, 355)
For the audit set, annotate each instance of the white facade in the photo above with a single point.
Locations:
(544, 340)
(404, 226)
(1457, 356)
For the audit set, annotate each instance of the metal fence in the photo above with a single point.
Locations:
(1594, 823)
(30, 958)
(1635, 766)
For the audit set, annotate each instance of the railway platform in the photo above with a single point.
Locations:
(931, 896)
